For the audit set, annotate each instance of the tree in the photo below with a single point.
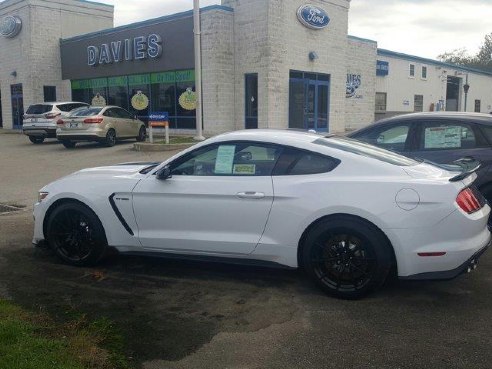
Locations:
(482, 60)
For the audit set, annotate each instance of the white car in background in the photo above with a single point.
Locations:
(40, 119)
(346, 211)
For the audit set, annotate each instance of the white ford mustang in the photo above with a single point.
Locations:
(347, 212)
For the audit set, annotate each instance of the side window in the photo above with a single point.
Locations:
(65, 107)
(229, 159)
(442, 136)
(125, 114)
(300, 162)
(392, 138)
(487, 131)
(109, 113)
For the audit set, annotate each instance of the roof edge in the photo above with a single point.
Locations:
(355, 38)
(385, 52)
(165, 18)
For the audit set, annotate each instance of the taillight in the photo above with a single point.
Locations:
(93, 120)
(60, 122)
(51, 115)
(467, 201)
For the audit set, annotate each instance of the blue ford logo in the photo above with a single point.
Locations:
(312, 16)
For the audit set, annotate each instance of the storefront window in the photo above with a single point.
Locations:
(118, 92)
(172, 92)
(164, 100)
(82, 91)
(185, 100)
(139, 91)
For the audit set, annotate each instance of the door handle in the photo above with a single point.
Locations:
(250, 195)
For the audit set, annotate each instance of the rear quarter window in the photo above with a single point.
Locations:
(302, 162)
(39, 109)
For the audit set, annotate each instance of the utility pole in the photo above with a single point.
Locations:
(198, 70)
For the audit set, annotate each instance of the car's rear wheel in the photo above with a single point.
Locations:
(76, 235)
(346, 256)
(142, 134)
(68, 144)
(36, 140)
(110, 139)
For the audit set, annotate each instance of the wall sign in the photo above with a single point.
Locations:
(353, 83)
(159, 116)
(187, 100)
(140, 101)
(312, 17)
(138, 48)
(98, 100)
(382, 68)
(10, 26)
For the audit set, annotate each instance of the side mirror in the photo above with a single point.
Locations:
(163, 173)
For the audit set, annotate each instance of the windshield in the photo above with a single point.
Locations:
(39, 109)
(365, 149)
(85, 112)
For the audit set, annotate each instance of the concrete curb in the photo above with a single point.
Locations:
(145, 146)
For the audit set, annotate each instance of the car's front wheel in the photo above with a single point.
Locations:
(142, 133)
(346, 256)
(36, 140)
(76, 235)
(110, 139)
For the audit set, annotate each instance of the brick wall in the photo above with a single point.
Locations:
(361, 61)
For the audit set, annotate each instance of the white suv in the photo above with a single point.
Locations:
(40, 119)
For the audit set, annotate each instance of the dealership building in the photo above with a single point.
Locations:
(265, 64)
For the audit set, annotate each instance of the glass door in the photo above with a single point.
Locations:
(17, 105)
(309, 101)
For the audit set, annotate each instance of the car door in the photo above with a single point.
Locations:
(443, 141)
(126, 123)
(394, 136)
(217, 200)
(110, 117)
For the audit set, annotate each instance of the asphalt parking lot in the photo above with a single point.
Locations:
(177, 314)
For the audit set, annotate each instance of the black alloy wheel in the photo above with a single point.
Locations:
(347, 258)
(142, 134)
(36, 140)
(110, 139)
(68, 144)
(76, 235)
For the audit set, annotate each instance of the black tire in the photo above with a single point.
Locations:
(142, 134)
(76, 235)
(346, 256)
(36, 140)
(68, 144)
(110, 139)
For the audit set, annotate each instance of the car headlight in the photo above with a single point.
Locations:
(42, 196)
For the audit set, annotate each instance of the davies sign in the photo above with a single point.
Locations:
(138, 48)
(312, 17)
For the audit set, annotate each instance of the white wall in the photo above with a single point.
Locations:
(401, 88)
(270, 41)
(35, 53)
(361, 61)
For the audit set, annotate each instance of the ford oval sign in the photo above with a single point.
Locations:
(10, 26)
(312, 16)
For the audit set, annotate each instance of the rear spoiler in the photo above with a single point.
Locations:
(467, 171)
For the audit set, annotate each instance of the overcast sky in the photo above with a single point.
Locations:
(418, 27)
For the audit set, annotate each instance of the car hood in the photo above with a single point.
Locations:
(118, 170)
